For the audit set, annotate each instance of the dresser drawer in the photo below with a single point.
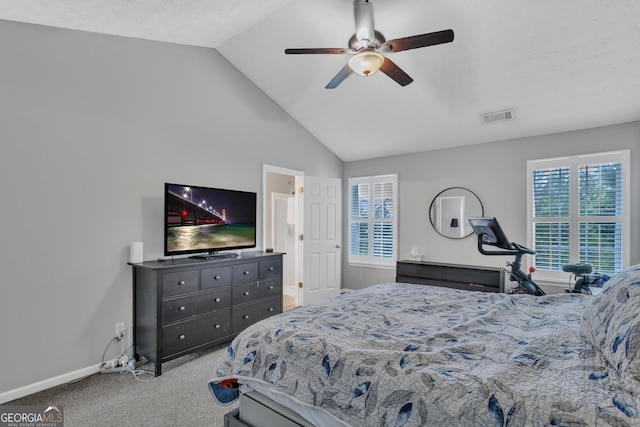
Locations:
(214, 277)
(418, 281)
(179, 283)
(419, 270)
(271, 268)
(181, 308)
(195, 332)
(245, 315)
(245, 272)
(253, 291)
(473, 277)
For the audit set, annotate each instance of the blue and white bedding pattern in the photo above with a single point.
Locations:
(400, 354)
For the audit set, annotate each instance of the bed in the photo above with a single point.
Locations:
(413, 355)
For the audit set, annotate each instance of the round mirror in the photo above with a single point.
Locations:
(450, 209)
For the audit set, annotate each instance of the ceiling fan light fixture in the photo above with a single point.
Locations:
(366, 63)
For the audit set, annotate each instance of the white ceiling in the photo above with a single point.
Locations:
(562, 65)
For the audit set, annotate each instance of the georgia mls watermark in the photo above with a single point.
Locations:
(31, 416)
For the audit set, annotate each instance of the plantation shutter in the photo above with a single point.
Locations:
(551, 203)
(373, 220)
(359, 204)
(577, 211)
(601, 216)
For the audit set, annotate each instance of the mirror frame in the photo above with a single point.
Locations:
(432, 216)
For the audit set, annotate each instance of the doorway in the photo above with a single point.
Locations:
(306, 228)
(282, 226)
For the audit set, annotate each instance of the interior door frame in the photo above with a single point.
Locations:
(298, 256)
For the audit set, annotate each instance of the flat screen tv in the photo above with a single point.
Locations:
(207, 220)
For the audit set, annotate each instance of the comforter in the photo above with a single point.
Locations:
(412, 355)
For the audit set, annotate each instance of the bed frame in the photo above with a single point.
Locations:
(257, 410)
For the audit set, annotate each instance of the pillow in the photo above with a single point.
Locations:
(611, 323)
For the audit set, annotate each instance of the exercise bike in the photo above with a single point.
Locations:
(490, 233)
(584, 277)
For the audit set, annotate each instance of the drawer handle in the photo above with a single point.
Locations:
(271, 287)
(182, 337)
(270, 268)
(183, 308)
(246, 293)
(181, 283)
(270, 309)
(245, 273)
(246, 316)
(217, 299)
(217, 326)
(217, 278)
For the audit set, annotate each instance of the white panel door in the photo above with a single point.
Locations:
(322, 238)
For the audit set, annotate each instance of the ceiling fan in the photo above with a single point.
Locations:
(367, 44)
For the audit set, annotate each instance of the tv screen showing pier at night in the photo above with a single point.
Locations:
(205, 219)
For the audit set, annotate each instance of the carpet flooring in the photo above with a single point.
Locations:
(179, 397)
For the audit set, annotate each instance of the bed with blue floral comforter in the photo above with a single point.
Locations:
(413, 355)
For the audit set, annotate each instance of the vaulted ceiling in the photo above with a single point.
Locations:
(560, 65)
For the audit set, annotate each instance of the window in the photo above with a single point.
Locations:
(578, 209)
(373, 220)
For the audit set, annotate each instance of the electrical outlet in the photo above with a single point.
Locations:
(120, 330)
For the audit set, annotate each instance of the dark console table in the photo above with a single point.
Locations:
(467, 277)
(184, 305)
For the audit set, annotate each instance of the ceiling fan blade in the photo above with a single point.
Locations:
(414, 42)
(363, 14)
(343, 74)
(392, 70)
(319, 50)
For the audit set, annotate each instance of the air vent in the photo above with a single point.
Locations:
(498, 116)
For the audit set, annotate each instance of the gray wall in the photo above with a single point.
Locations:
(496, 172)
(91, 128)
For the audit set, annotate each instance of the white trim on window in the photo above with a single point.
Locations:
(566, 224)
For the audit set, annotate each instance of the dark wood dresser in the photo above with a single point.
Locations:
(467, 277)
(183, 305)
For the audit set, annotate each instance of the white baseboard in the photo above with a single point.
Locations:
(10, 395)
